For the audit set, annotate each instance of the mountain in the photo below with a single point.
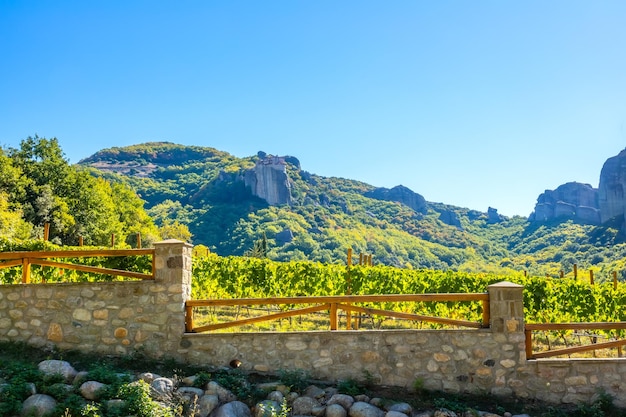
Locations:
(583, 203)
(230, 203)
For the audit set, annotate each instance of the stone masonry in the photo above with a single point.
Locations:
(106, 317)
(122, 317)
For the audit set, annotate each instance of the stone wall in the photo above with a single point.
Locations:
(121, 317)
(105, 317)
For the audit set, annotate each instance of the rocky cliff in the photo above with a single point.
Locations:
(611, 189)
(269, 180)
(400, 194)
(573, 200)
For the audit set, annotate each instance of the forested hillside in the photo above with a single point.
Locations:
(204, 188)
(163, 190)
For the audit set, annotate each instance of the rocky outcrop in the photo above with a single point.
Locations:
(492, 216)
(400, 194)
(451, 218)
(611, 189)
(574, 200)
(269, 180)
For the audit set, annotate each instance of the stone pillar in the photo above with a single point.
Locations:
(506, 305)
(173, 278)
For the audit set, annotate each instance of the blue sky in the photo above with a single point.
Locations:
(473, 103)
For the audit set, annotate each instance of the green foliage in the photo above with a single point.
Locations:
(545, 300)
(350, 387)
(237, 382)
(199, 192)
(296, 379)
(202, 379)
(271, 411)
(139, 402)
(38, 186)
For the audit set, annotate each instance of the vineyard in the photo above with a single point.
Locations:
(545, 300)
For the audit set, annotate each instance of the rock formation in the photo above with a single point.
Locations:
(269, 180)
(400, 194)
(492, 216)
(573, 200)
(451, 218)
(611, 189)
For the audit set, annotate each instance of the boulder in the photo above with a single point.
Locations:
(336, 410)
(91, 390)
(343, 400)
(403, 408)
(38, 405)
(363, 409)
(222, 393)
(162, 388)
(303, 406)
(233, 409)
(206, 404)
(267, 408)
(56, 367)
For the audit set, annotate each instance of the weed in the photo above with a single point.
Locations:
(237, 382)
(418, 385)
(271, 411)
(202, 379)
(450, 403)
(350, 387)
(297, 380)
(139, 402)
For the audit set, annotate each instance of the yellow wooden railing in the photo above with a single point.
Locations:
(529, 328)
(333, 304)
(26, 259)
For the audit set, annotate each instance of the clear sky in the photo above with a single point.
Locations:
(473, 103)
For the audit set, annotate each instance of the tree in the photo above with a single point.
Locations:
(12, 226)
(259, 250)
(175, 230)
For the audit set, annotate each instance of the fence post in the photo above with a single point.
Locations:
(333, 316)
(348, 292)
(25, 271)
(506, 307)
(172, 259)
(138, 240)
(591, 276)
(575, 271)
(46, 231)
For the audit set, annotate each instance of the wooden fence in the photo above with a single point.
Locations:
(25, 259)
(333, 304)
(529, 328)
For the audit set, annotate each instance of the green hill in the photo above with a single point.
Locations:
(209, 191)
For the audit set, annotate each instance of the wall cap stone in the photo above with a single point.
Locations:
(505, 284)
(172, 242)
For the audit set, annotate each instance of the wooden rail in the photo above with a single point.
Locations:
(335, 303)
(571, 326)
(26, 259)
